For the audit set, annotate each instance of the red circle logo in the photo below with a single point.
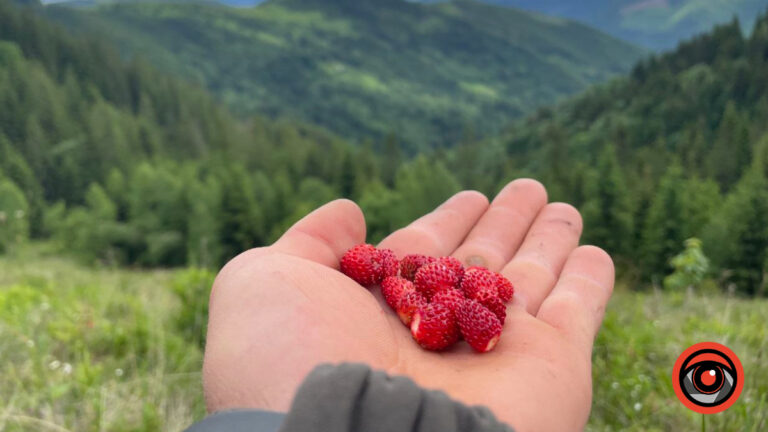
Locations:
(708, 378)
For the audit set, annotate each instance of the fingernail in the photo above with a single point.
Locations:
(476, 260)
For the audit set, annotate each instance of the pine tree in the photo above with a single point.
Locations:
(555, 170)
(731, 151)
(348, 176)
(422, 184)
(737, 238)
(607, 212)
(240, 214)
(392, 159)
(664, 231)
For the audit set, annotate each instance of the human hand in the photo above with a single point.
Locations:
(276, 312)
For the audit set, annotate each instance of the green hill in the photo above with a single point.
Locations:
(367, 68)
(123, 163)
(657, 24)
(677, 149)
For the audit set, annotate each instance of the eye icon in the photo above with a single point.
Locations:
(708, 378)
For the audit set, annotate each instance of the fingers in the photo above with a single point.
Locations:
(537, 264)
(498, 234)
(577, 304)
(440, 232)
(325, 234)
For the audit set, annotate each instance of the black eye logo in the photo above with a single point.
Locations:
(708, 378)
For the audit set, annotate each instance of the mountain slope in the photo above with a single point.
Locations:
(678, 149)
(367, 68)
(122, 163)
(657, 24)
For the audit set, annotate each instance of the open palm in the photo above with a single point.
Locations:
(277, 312)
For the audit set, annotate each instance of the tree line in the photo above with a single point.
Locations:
(118, 163)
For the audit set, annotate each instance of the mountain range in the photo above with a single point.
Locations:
(428, 74)
(656, 24)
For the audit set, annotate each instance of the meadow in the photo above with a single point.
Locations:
(93, 348)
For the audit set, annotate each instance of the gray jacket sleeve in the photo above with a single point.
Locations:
(352, 397)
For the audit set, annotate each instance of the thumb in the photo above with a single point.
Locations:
(325, 234)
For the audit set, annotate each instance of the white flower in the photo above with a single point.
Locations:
(638, 406)
(67, 369)
(615, 385)
(54, 365)
(119, 372)
(45, 306)
(30, 343)
(19, 214)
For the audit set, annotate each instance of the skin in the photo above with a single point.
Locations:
(278, 311)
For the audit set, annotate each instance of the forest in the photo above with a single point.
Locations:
(121, 164)
(125, 185)
(365, 69)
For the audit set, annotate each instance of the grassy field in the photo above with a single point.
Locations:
(98, 349)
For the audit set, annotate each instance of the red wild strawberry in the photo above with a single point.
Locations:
(452, 298)
(504, 287)
(408, 304)
(368, 265)
(433, 278)
(389, 263)
(487, 296)
(479, 326)
(495, 305)
(453, 264)
(434, 327)
(393, 288)
(477, 280)
(411, 263)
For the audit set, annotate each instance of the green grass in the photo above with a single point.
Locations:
(641, 338)
(99, 349)
(87, 349)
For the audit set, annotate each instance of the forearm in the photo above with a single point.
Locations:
(352, 397)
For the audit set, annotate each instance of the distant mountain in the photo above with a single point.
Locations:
(657, 24)
(677, 149)
(367, 68)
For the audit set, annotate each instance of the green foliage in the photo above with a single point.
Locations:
(366, 69)
(14, 214)
(146, 170)
(664, 229)
(731, 151)
(193, 287)
(684, 126)
(607, 212)
(94, 349)
(422, 185)
(632, 363)
(737, 238)
(690, 266)
(128, 166)
(381, 207)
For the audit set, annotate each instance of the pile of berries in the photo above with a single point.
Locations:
(440, 300)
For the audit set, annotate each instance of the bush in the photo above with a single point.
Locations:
(691, 265)
(14, 209)
(192, 287)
